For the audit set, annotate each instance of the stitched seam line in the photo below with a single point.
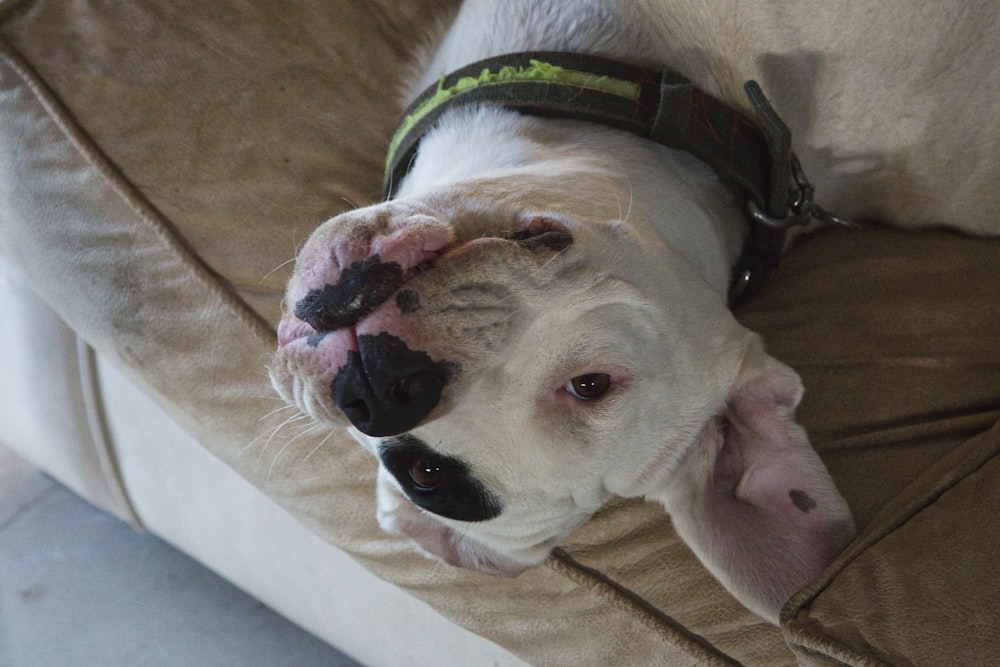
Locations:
(799, 633)
(9, 7)
(100, 436)
(634, 605)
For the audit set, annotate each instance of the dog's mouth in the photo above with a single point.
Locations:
(367, 283)
(360, 290)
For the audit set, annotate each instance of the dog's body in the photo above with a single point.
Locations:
(893, 106)
(538, 320)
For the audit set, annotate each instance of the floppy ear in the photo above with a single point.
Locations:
(752, 498)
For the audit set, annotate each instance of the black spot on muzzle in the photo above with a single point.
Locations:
(385, 388)
(362, 288)
(408, 301)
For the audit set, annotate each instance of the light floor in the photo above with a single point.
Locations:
(79, 587)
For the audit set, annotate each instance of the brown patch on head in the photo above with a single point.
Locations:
(802, 501)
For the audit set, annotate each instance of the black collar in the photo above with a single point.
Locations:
(753, 157)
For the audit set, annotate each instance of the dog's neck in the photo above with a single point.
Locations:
(585, 170)
(641, 183)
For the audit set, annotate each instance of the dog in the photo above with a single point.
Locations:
(538, 317)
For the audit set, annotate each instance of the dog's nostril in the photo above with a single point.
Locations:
(357, 412)
(399, 392)
(417, 387)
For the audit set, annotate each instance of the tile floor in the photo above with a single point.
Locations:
(79, 587)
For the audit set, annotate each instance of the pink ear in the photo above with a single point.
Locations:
(754, 501)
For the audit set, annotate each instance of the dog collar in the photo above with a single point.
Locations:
(754, 158)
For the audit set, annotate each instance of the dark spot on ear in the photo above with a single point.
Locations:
(408, 301)
(315, 339)
(801, 500)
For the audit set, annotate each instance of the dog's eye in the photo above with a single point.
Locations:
(590, 386)
(426, 474)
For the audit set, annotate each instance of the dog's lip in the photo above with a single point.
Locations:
(291, 328)
(536, 233)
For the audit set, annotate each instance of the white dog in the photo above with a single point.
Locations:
(538, 319)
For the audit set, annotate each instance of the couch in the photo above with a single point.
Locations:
(160, 162)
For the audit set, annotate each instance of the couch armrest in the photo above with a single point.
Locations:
(49, 411)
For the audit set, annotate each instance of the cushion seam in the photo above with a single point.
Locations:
(100, 436)
(634, 605)
(796, 628)
(9, 7)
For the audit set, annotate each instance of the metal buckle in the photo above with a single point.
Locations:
(802, 206)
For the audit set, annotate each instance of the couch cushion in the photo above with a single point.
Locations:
(894, 334)
(916, 588)
(161, 161)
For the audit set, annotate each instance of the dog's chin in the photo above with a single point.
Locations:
(447, 544)
(436, 540)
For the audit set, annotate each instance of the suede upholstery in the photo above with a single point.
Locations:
(161, 161)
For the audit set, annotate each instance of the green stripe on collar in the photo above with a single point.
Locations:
(536, 72)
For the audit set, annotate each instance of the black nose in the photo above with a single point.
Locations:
(386, 388)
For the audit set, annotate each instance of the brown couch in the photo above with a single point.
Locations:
(160, 162)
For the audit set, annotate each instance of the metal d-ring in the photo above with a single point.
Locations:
(802, 205)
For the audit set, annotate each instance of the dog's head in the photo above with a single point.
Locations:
(513, 363)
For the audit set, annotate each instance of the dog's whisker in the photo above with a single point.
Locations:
(631, 198)
(353, 206)
(277, 268)
(286, 406)
(318, 447)
(288, 423)
(553, 258)
(285, 424)
(310, 429)
(291, 420)
(296, 251)
(623, 216)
